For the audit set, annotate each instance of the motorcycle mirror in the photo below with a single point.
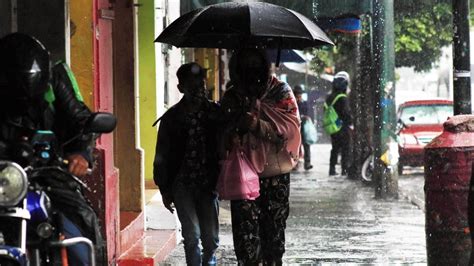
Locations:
(412, 118)
(100, 122)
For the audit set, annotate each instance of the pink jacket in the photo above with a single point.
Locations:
(273, 147)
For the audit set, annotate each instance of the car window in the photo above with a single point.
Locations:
(426, 114)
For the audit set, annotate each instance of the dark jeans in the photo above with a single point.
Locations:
(198, 212)
(258, 226)
(307, 153)
(78, 255)
(341, 143)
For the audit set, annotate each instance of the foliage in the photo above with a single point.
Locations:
(420, 33)
(336, 56)
(422, 29)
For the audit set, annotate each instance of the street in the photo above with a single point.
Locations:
(336, 220)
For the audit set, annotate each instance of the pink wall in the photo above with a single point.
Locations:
(103, 101)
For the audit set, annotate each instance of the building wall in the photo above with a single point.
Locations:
(209, 58)
(127, 157)
(165, 93)
(5, 18)
(147, 83)
(82, 47)
(92, 61)
(175, 57)
(44, 19)
(161, 57)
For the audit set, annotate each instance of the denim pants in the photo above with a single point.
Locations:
(198, 213)
(77, 254)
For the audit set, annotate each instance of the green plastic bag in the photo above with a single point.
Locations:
(331, 121)
(310, 135)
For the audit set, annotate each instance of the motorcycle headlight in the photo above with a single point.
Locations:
(13, 184)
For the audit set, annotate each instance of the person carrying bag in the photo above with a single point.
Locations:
(238, 179)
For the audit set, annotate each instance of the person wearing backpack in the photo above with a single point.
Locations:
(337, 122)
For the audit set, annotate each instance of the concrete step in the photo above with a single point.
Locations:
(151, 249)
(159, 238)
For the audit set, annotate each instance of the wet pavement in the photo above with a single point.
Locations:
(334, 220)
(411, 185)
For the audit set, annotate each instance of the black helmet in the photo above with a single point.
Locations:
(24, 67)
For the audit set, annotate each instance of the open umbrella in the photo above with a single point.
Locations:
(234, 25)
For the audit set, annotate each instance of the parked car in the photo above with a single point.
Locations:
(421, 121)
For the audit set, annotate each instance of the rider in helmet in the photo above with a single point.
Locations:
(32, 91)
(36, 96)
(341, 140)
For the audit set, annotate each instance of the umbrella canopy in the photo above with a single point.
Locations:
(234, 25)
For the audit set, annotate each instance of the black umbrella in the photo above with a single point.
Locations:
(234, 25)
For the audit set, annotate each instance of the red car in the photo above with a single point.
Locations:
(421, 121)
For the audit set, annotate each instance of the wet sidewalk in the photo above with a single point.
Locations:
(334, 220)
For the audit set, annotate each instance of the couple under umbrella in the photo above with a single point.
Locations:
(262, 121)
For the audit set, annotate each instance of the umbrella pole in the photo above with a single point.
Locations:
(277, 63)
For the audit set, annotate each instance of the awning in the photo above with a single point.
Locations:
(300, 68)
(344, 25)
(286, 56)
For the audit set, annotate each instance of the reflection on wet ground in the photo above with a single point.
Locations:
(338, 221)
(334, 220)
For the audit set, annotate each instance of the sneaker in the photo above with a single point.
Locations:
(308, 166)
(331, 173)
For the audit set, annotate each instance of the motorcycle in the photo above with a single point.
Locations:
(31, 225)
(367, 169)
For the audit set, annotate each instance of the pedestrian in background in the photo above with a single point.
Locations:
(262, 117)
(305, 115)
(186, 166)
(340, 140)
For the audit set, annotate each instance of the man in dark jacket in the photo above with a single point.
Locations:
(35, 97)
(186, 166)
(341, 140)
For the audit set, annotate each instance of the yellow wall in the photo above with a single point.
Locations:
(147, 83)
(208, 58)
(82, 63)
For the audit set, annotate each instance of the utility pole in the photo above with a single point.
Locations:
(461, 58)
(386, 178)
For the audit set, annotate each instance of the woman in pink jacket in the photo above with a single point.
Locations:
(262, 116)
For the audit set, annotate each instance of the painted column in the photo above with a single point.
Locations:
(82, 48)
(147, 83)
(386, 178)
(103, 101)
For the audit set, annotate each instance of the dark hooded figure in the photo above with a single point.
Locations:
(262, 120)
(341, 140)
